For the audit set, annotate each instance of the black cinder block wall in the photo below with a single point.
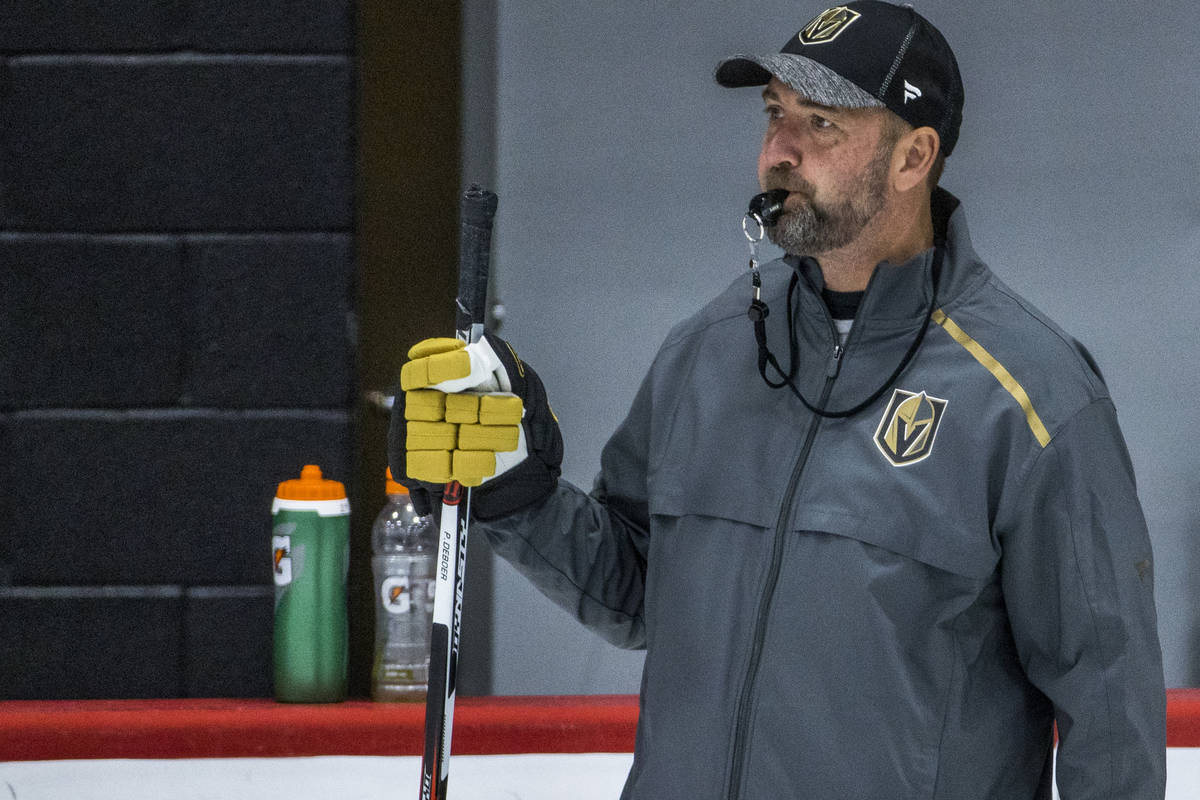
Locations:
(176, 329)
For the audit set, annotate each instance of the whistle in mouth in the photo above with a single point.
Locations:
(768, 206)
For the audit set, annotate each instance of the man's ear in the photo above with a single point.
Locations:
(914, 157)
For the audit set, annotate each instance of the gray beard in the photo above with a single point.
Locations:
(813, 229)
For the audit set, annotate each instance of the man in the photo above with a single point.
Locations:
(883, 565)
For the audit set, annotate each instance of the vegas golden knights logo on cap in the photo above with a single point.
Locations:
(905, 434)
(828, 25)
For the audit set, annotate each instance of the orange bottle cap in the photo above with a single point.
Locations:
(311, 486)
(391, 487)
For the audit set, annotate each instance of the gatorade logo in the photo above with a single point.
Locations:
(395, 594)
(282, 550)
(400, 595)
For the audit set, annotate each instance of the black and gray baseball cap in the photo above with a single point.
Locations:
(865, 54)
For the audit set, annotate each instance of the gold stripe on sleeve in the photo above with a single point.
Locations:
(998, 372)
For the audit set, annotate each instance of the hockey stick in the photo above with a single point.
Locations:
(478, 207)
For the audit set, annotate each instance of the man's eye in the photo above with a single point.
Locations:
(773, 112)
(820, 122)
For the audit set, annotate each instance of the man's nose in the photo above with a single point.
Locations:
(780, 150)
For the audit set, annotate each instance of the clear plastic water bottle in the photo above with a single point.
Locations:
(404, 547)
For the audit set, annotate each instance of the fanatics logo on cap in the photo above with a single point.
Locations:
(828, 25)
(910, 423)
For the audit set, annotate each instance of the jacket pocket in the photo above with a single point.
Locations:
(943, 541)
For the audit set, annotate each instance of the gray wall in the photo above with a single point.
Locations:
(623, 171)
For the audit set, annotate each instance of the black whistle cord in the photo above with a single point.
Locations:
(758, 313)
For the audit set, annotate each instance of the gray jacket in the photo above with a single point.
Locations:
(898, 604)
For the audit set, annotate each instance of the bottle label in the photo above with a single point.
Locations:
(402, 595)
(282, 550)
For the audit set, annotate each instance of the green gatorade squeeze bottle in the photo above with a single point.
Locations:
(311, 553)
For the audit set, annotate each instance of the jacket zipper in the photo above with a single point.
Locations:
(782, 525)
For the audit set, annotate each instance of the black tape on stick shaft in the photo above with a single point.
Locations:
(478, 208)
(435, 709)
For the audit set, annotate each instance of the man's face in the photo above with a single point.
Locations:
(835, 163)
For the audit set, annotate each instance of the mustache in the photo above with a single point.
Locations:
(781, 178)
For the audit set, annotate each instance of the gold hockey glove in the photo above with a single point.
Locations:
(476, 414)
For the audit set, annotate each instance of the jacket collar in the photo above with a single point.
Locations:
(901, 293)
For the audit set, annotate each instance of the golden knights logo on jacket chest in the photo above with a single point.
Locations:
(909, 426)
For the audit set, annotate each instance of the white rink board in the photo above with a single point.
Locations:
(524, 777)
(593, 776)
